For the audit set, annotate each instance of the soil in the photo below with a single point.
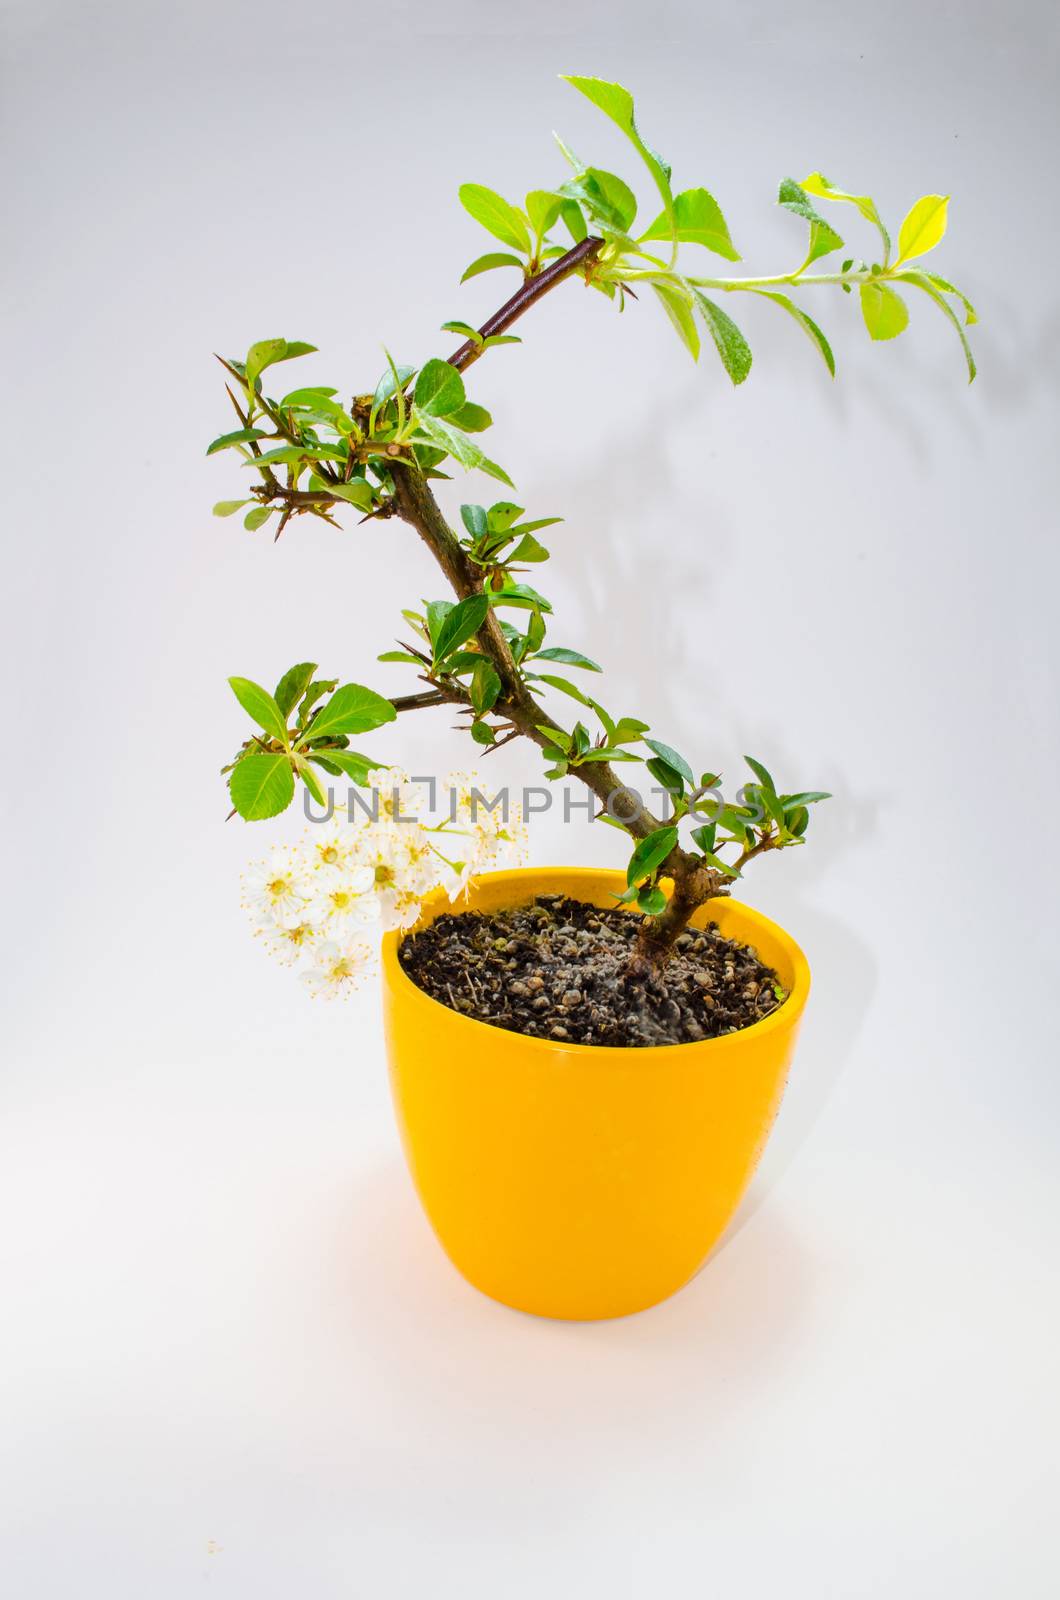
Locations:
(558, 969)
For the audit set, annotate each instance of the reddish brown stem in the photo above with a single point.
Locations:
(523, 298)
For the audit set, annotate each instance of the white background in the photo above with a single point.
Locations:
(232, 1355)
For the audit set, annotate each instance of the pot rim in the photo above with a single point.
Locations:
(785, 1016)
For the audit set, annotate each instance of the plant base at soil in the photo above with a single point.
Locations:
(558, 969)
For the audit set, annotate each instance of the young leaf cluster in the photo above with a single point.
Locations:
(299, 732)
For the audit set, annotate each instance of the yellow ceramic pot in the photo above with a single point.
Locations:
(582, 1181)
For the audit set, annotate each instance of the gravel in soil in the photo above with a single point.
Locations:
(558, 969)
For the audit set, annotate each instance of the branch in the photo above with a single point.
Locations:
(296, 500)
(429, 697)
(416, 505)
(524, 297)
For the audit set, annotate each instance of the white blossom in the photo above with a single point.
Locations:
(324, 900)
(337, 967)
(277, 890)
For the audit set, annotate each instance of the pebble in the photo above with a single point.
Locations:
(572, 997)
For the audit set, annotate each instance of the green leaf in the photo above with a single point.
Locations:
(970, 314)
(679, 310)
(666, 753)
(823, 239)
(471, 418)
(317, 688)
(463, 328)
(492, 470)
(291, 454)
(699, 221)
(240, 436)
(560, 739)
(567, 658)
(293, 685)
(400, 655)
(485, 686)
(923, 227)
(357, 492)
(312, 407)
(474, 520)
(605, 196)
(819, 186)
(454, 441)
(500, 338)
(535, 632)
(307, 397)
(488, 262)
(496, 215)
(705, 836)
(650, 854)
(312, 782)
(617, 103)
(262, 355)
(564, 685)
(651, 901)
(354, 766)
(502, 514)
(573, 221)
(729, 342)
(351, 709)
(607, 722)
(482, 733)
(807, 324)
(628, 730)
(437, 611)
(532, 527)
(527, 549)
(268, 351)
(797, 820)
(385, 388)
(885, 312)
(922, 280)
(808, 797)
(520, 595)
(259, 704)
(761, 773)
(668, 777)
(226, 508)
(439, 389)
(462, 661)
(261, 786)
(543, 208)
(460, 624)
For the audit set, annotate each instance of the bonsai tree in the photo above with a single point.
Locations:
(485, 647)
